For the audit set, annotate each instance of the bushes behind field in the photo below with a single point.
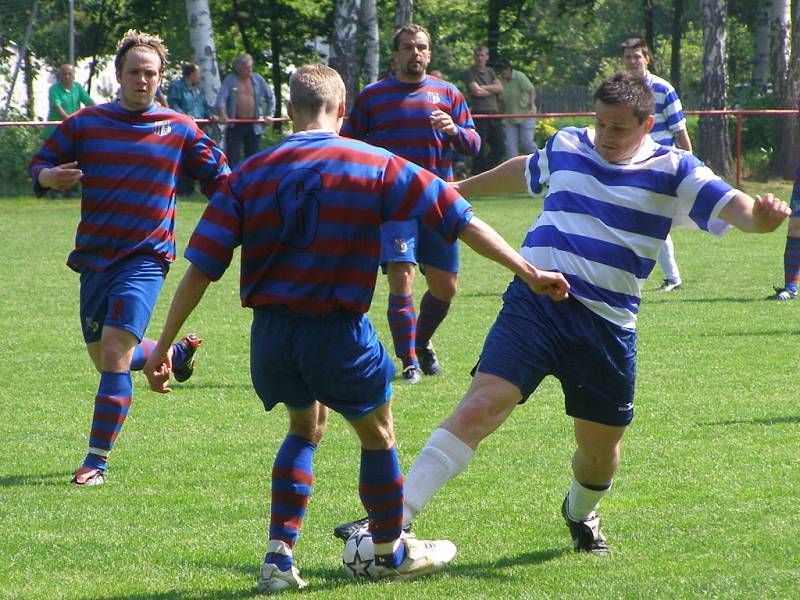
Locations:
(17, 146)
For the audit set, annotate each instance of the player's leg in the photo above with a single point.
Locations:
(292, 479)
(381, 492)
(486, 405)
(668, 264)
(115, 310)
(598, 375)
(181, 354)
(594, 464)
(440, 261)
(398, 254)
(791, 257)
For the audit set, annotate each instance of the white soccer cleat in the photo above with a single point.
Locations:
(423, 557)
(273, 580)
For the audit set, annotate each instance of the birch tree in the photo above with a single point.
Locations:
(780, 45)
(403, 13)
(761, 46)
(201, 36)
(344, 41)
(715, 145)
(369, 27)
(785, 155)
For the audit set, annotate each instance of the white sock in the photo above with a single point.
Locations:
(582, 501)
(443, 457)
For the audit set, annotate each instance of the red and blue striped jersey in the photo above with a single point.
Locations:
(396, 116)
(130, 163)
(307, 214)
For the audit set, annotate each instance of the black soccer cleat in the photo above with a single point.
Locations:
(586, 535)
(345, 530)
(427, 359)
(190, 344)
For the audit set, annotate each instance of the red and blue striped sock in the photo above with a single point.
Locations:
(381, 491)
(432, 312)
(403, 325)
(791, 264)
(292, 477)
(111, 405)
(145, 348)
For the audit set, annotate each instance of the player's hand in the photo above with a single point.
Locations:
(441, 121)
(157, 370)
(61, 177)
(550, 283)
(769, 212)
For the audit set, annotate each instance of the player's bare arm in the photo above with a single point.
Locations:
(61, 177)
(760, 215)
(441, 121)
(189, 293)
(482, 238)
(506, 178)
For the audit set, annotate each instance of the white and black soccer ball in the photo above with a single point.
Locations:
(358, 558)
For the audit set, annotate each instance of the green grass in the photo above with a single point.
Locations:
(705, 504)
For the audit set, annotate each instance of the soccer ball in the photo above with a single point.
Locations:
(358, 558)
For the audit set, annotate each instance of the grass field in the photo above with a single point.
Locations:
(705, 505)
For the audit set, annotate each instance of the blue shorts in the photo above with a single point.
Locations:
(415, 242)
(594, 359)
(336, 359)
(121, 297)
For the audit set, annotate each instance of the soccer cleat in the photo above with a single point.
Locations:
(346, 530)
(88, 476)
(190, 344)
(586, 535)
(423, 557)
(782, 294)
(427, 359)
(273, 580)
(411, 374)
(669, 284)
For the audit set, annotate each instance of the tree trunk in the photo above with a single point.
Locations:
(403, 13)
(369, 25)
(29, 75)
(493, 28)
(785, 156)
(715, 144)
(276, 49)
(344, 40)
(761, 46)
(780, 45)
(649, 34)
(677, 37)
(201, 36)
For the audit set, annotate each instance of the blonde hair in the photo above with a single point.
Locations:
(315, 87)
(137, 39)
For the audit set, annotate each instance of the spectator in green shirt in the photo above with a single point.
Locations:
(66, 97)
(518, 98)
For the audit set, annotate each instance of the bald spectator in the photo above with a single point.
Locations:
(244, 95)
(66, 97)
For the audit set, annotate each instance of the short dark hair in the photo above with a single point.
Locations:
(624, 89)
(410, 29)
(138, 39)
(189, 68)
(502, 63)
(634, 43)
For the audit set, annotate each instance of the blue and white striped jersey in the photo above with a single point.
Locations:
(604, 223)
(668, 110)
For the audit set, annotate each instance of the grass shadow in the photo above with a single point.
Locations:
(793, 420)
(59, 478)
(489, 569)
